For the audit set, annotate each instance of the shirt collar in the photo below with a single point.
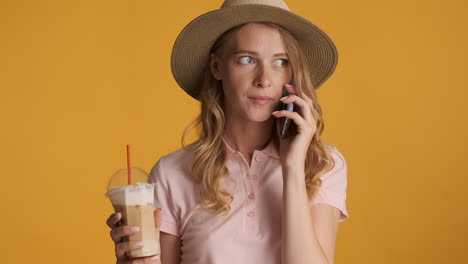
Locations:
(269, 150)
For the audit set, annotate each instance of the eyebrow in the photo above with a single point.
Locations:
(255, 53)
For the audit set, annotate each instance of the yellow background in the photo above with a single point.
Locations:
(80, 79)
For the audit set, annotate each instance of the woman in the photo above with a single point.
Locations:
(240, 193)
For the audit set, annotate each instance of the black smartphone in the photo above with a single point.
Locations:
(287, 127)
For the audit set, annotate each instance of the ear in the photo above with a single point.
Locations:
(214, 66)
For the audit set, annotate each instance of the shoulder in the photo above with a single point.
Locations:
(181, 158)
(176, 165)
(337, 156)
(333, 190)
(337, 175)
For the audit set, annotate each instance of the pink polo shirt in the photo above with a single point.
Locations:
(251, 233)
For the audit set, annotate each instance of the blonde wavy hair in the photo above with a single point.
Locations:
(208, 166)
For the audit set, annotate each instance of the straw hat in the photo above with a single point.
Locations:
(191, 49)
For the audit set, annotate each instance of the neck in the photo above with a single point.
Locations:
(247, 136)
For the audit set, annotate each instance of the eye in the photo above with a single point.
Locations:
(281, 62)
(245, 59)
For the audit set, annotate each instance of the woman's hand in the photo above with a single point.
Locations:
(117, 232)
(293, 149)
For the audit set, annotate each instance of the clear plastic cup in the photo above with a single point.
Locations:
(135, 203)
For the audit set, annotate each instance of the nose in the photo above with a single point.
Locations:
(262, 79)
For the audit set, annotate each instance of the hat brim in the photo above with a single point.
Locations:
(191, 49)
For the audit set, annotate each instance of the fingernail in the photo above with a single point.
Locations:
(117, 215)
(139, 244)
(154, 257)
(274, 112)
(135, 228)
(282, 98)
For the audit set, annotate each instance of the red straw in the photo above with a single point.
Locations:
(129, 170)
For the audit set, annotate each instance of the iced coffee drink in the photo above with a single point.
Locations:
(135, 203)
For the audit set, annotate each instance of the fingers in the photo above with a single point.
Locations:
(298, 120)
(303, 106)
(146, 260)
(292, 90)
(118, 232)
(157, 218)
(113, 219)
(121, 248)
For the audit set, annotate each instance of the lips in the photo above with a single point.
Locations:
(260, 100)
(261, 97)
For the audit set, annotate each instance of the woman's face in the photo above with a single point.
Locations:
(253, 67)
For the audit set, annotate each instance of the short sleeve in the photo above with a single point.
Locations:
(334, 183)
(170, 220)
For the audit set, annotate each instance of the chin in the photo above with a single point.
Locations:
(259, 117)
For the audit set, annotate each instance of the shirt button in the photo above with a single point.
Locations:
(251, 196)
(258, 158)
(250, 214)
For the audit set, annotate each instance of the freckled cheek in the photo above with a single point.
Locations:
(232, 91)
(236, 82)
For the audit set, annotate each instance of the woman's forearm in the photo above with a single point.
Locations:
(299, 241)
